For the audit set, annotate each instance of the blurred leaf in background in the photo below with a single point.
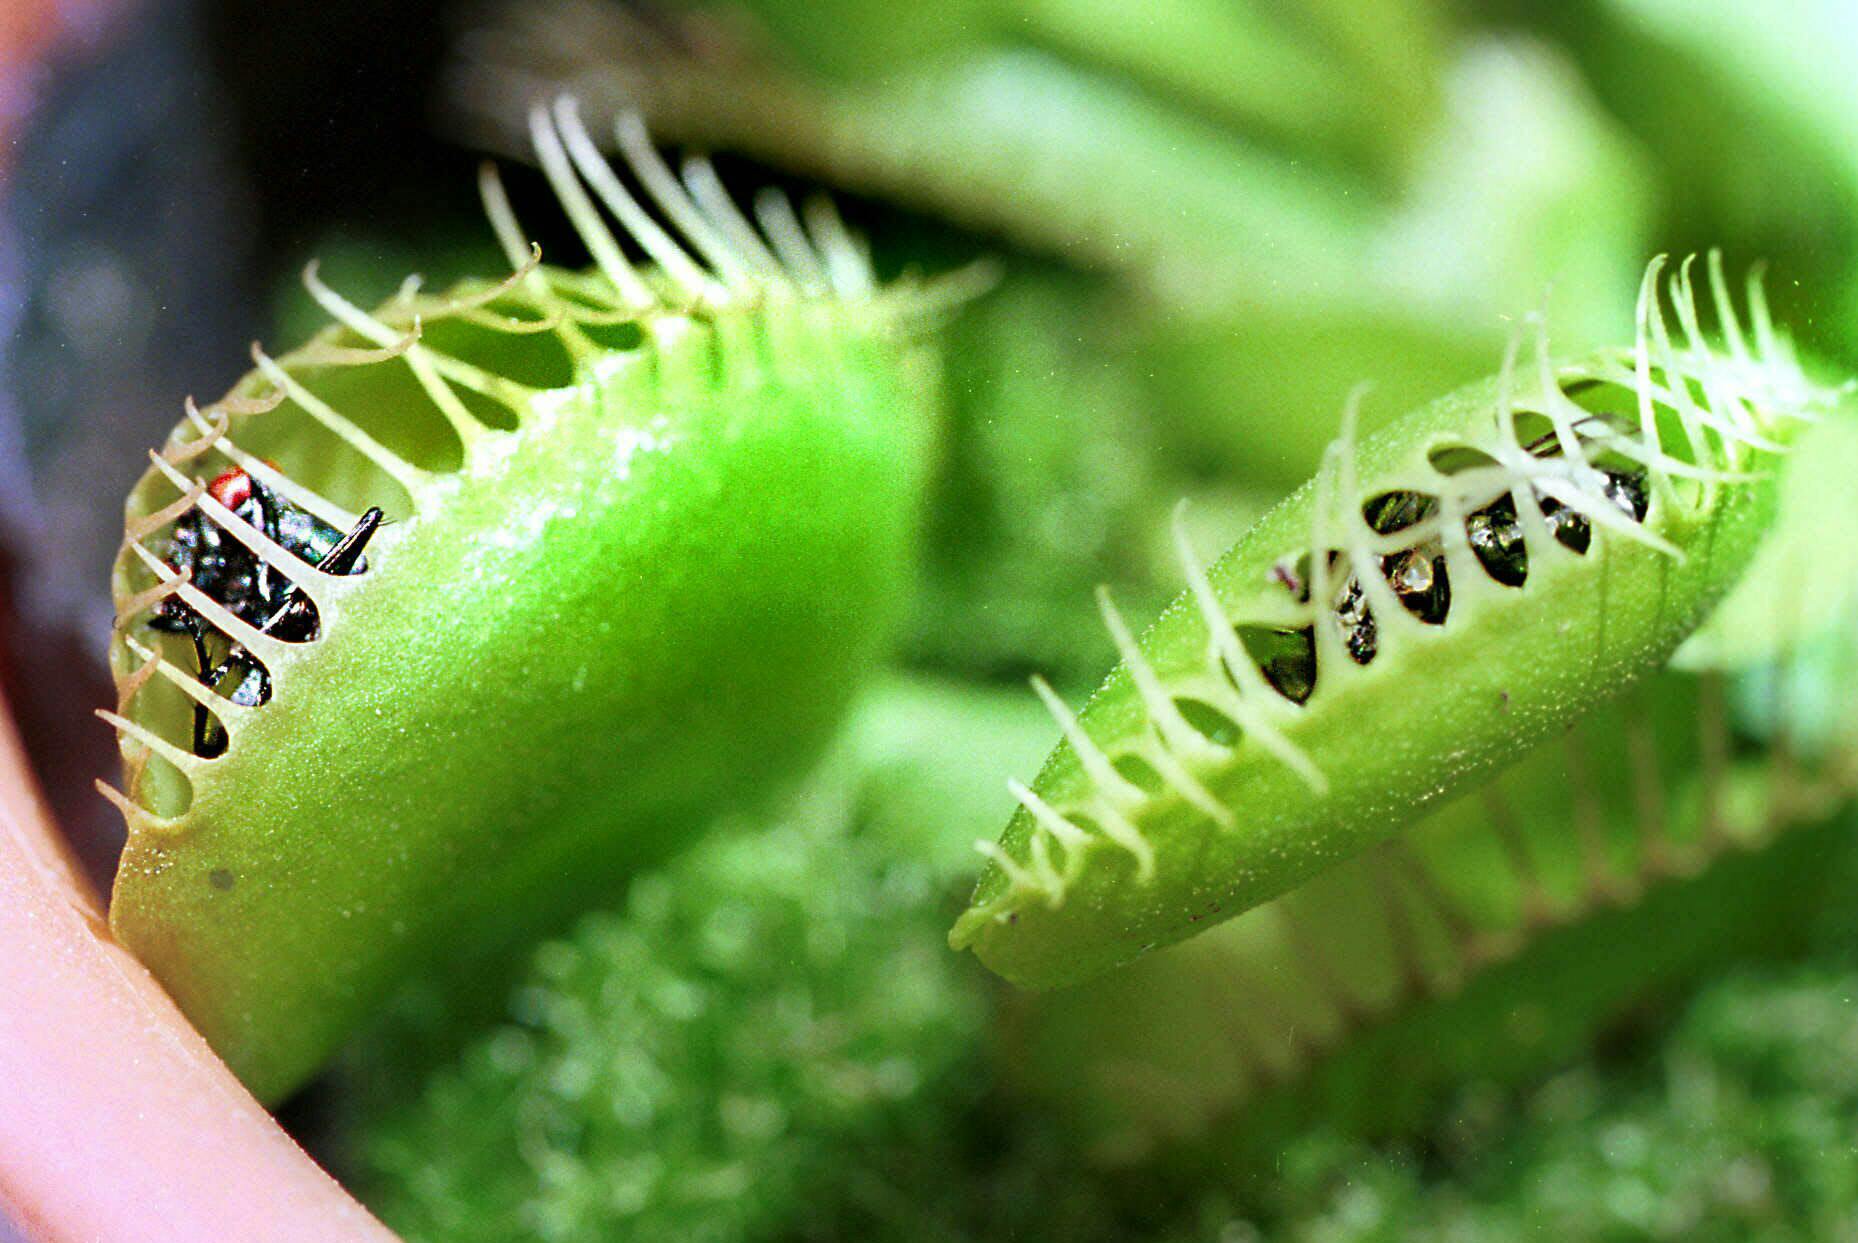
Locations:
(1748, 111)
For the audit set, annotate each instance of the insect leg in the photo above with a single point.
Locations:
(342, 558)
(208, 742)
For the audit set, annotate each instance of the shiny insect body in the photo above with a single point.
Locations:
(249, 587)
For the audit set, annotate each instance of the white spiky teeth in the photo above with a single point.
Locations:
(1748, 390)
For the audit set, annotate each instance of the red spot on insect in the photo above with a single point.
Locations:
(231, 489)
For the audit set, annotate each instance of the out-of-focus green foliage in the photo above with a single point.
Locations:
(1525, 197)
(1047, 479)
(1353, 83)
(1749, 114)
(1737, 1127)
(699, 1064)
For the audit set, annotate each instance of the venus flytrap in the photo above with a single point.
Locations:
(1443, 595)
(1697, 821)
(644, 533)
(1651, 845)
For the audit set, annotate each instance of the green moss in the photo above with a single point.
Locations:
(711, 1062)
(1735, 1127)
